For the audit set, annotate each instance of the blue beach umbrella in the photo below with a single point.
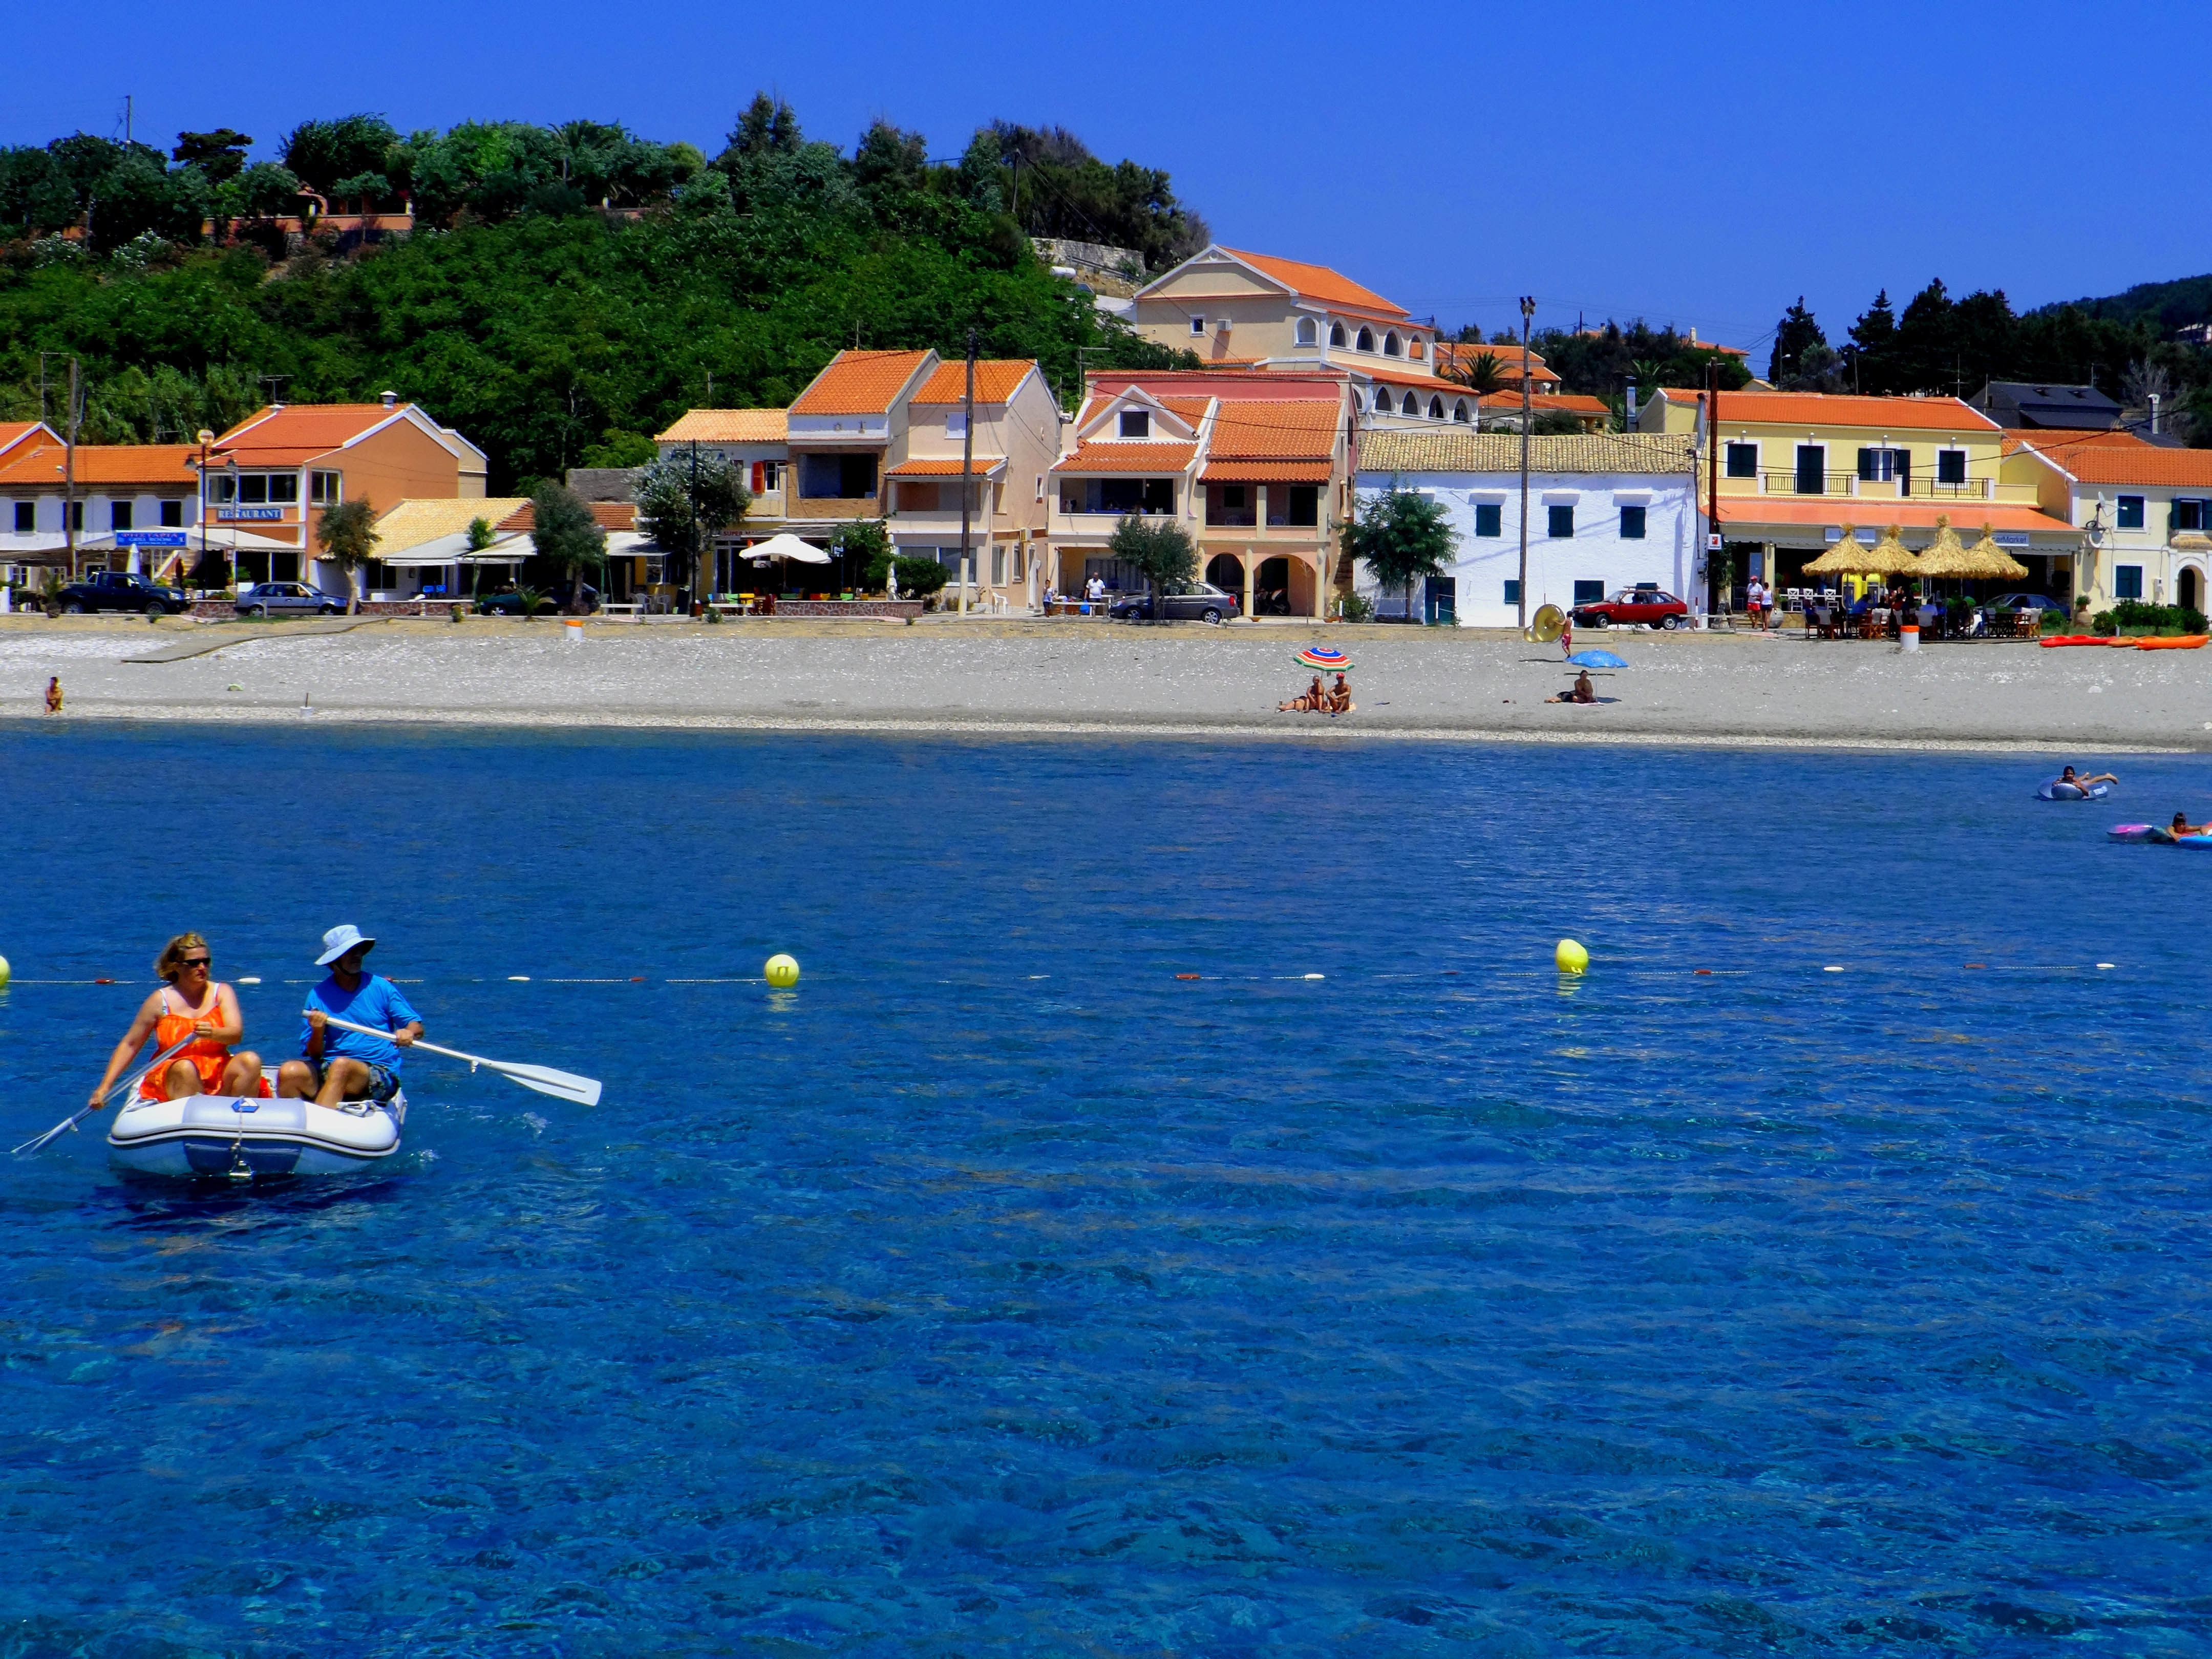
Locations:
(1597, 659)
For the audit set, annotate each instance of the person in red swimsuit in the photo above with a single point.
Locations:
(190, 1005)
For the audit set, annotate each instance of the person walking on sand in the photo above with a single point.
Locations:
(336, 1063)
(191, 1004)
(54, 694)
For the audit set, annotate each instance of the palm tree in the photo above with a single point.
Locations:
(1480, 372)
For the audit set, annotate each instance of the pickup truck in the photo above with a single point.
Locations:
(118, 590)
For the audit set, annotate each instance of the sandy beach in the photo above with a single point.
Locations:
(1074, 678)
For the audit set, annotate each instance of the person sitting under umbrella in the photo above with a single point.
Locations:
(1315, 699)
(1582, 690)
(1339, 697)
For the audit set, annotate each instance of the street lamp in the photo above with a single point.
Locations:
(206, 438)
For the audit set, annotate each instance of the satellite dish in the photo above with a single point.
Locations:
(1547, 625)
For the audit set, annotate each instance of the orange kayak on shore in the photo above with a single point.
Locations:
(2175, 642)
(2172, 642)
(2071, 639)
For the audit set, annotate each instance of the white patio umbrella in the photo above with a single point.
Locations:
(786, 545)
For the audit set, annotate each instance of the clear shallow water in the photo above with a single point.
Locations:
(999, 1292)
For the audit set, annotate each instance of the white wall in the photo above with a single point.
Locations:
(1597, 552)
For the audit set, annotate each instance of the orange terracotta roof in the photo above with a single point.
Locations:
(1128, 458)
(858, 383)
(44, 465)
(1453, 354)
(1318, 283)
(2099, 461)
(608, 515)
(995, 380)
(1304, 428)
(298, 432)
(1232, 470)
(2054, 438)
(1965, 517)
(13, 432)
(728, 426)
(985, 465)
(1419, 378)
(1814, 409)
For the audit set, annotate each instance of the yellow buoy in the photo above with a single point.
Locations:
(781, 971)
(6, 972)
(1571, 956)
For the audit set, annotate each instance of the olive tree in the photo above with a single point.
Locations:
(347, 535)
(564, 533)
(1402, 534)
(1160, 550)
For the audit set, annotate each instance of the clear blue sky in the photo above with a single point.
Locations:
(1700, 163)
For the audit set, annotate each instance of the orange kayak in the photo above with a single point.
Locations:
(2072, 639)
(2176, 642)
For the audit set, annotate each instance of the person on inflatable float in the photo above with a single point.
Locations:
(2082, 784)
(2182, 826)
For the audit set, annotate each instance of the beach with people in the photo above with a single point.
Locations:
(1073, 676)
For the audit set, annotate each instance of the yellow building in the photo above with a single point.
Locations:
(1795, 467)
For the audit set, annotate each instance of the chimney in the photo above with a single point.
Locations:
(387, 399)
(1693, 334)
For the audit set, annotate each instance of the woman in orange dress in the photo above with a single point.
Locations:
(190, 1005)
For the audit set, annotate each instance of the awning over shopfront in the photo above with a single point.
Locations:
(1743, 518)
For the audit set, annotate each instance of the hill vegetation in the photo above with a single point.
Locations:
(568, 291)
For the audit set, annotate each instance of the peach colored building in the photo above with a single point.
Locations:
(1014, 447)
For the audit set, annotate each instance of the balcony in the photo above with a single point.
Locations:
(1886, 489)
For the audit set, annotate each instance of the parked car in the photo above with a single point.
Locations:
(508, 603)
(119, 590)
(1632, 605)
(286, 599)
(2029, 602)
(1181, 602)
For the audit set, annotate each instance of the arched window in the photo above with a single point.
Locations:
(1364, 343)
(1383, 400)
(1306, 330)
(1436, 408)
(1336, 334)
(1411, 406)
(1390, 344)
(1414, 349)
(1459, 411)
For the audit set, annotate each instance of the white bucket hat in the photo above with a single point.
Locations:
(339, 940)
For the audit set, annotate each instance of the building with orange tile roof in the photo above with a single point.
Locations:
(1254, 467)
(137, 492)
(1016, 438)
(755, 442)
(1796, 468)
(2143, 512)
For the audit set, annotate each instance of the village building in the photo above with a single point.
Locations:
(1607, 510)
(2142, 513)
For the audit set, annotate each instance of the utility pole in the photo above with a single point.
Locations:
(127, 113)
(1520, 587)
(684, 596)
(69, 468)
(967, 467)
(1712, 412)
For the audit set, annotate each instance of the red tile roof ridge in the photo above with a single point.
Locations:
(1314, 281)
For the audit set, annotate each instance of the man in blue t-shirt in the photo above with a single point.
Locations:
(338, 1065)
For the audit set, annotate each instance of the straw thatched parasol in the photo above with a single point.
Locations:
(1992, 561)
(1887, 557)
(1947, 555)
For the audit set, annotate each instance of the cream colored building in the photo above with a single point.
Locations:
(1015, 442)
(2143, 512)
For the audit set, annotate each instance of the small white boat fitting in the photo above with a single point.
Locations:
(219, 1135)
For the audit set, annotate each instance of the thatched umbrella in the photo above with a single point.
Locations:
(1887, 557)
(1992, 561)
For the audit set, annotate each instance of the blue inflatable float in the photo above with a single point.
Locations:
(2057, 790)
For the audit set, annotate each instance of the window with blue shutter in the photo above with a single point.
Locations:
(1631, 523)
(1489, 519)
(2130, 515)
(1561, 521)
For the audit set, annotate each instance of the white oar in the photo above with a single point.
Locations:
(124, 1087)
(562, 1085)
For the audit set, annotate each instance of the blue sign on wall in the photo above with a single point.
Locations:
(149, 539)
(231, 514)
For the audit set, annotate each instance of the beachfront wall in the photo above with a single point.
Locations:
(1606, 510)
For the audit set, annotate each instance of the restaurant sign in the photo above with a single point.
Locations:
(149, 539)
(233, 514)
(2010, 538)
(1835, 533)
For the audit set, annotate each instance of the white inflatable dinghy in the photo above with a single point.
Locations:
(217, 1135)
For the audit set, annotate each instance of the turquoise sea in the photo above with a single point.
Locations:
(1001, 1290)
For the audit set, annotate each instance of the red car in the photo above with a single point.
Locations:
(1631, 606)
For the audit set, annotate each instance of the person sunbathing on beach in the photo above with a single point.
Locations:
(1313, 700)
(1581, 691)
(2067, 776)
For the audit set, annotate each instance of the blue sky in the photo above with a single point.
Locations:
(1700, 163)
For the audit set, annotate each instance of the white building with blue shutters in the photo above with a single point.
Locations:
(1607, 511)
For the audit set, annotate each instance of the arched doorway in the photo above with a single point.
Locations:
(1271, 588)
(1226, 570)
(2189, 589)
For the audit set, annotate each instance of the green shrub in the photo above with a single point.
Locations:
(2104, 625)
(919, 578)
(1357, 608)
(2156, 618)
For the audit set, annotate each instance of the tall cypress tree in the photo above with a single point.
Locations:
(1872, 353)
(1798, 331)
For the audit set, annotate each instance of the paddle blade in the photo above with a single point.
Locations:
(562, 1085)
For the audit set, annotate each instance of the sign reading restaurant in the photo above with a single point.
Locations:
(232, 514)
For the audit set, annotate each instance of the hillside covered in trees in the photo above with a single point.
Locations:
(567, 291)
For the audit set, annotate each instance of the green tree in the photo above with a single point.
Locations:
(347, 535)
(221, 154)
(482, 536)
(1872, 354)
(683, 501)
(350, 148)
(1160, 550)
(1402, 534)
(867, 543)
(1480, 372)
(564, 533)
(1797, 331)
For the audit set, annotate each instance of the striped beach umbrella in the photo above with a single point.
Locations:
(1327, 658)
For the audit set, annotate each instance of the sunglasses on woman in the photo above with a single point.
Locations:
(197, 962)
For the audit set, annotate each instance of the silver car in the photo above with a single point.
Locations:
(286, 599)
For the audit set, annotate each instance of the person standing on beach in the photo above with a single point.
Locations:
(338, 1065)
(54, 694)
